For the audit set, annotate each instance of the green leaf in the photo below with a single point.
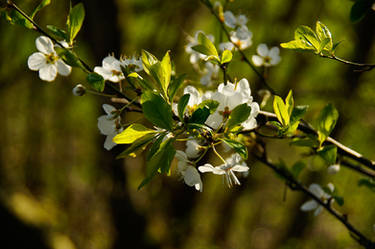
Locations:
(238, 115)
(281, 110)
(75, 21)
(182, 104)
(200, 115)
(203, 40)
(326, 122)
(70, 58)
(13, 17)
(305, 142)
(161, 160)
(226, 56)
(297, 113)
(212, 105)
(297, 44)
(175, 84)
(339, 200)
(132, 133)
(137, 145)
(156, 110)
(60, 33)
(42, 4)
(240, 148)
(307, 36)
(164, 72)
(368, 183)
(289, 102)
(155, 146)
(96, 81)
(148, 61)
(201, 49)
(297, 168)
(359, 10)
(328, 153)
(324, 35)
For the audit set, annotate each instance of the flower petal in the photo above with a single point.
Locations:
(257, 60)
(44, 45)
(240, 168)
(36, 61)
(109, 109)
(48, 72)
(106, 126)
(316, 190)
(262, 50)
(206, 168)
(230, 19)
(318, 210)
(62, 68)
(309, 205)
(241, 20)
(108, 143)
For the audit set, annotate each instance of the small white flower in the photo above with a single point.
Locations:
(189, 173)
(79, 90)
(232, 21)
(321, 194)
(109, 125)
(242, 37)
(333, 169)
(110, 69)
(195, 97)
(210, 72)
(266, 57)
(226, 46)
(233, 164)
(193, 148)
(46, 61)
(134, 63)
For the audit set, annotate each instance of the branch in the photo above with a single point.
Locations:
(364, 67)
(341, 149)
(293, 184)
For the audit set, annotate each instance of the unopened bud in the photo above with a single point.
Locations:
(333, 169)
(79, 90)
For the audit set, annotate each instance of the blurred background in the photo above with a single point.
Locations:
(60, 189)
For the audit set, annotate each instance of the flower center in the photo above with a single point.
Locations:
(51, 58)
(116, 73)
(267, 59)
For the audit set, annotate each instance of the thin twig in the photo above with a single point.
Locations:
(296, 185)
(363, 66)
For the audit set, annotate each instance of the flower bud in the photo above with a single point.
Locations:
(79, 90)
(333, 169)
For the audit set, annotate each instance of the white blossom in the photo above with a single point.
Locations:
(266, 57)
(232, 21)
(193, 148)
(189, 173)
(226, 46)
(134, 63)
(242, 37)
(110, 69)
(109, 125)
(321, 194)
(79, 90)
(233, 164)
(229, 96)
(46, 61)
(210, 72)
(333, 169)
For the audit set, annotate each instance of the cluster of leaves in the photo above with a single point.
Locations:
(318, 41)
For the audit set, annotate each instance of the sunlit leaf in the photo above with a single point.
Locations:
(132, 133)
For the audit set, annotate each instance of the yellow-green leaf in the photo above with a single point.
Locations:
(132, 133)
(323, 33)
(281, 110)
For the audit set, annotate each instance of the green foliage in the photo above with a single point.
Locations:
(175, 84)
(326, 122)
(306, 39)
(297, 169)
(359, 9)
(160, 161)
(139, 144)
(287, 114)
(206, 47)
(210, 104)
(182, 104)
(75, 21)
(96, 81)
(160, 71)
(41, 5)
(238, 115)
(238, 147)
(13, 17)
(200, 115)
(59, 33)
(156, 110)
(132, 134)
(328, 153)
(226, 57)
